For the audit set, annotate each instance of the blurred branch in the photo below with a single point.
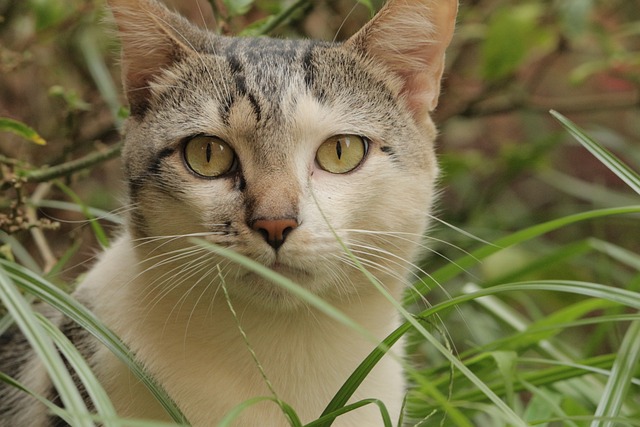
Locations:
(66, 169)
(281, 18)
(580, 104)
(36, 232)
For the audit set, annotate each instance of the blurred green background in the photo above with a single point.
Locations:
(506, 163)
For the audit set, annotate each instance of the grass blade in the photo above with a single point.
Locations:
(98, 395)
(46, 351)
(287, 284)
(624, 172)
(19, 128)
(54, 409)
(619, 296)
(328, 418)
(622, 373)
(32, 283)
(99, 232)
(452, 270)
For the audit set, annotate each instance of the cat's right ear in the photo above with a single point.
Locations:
(410, 37)
(152, 39)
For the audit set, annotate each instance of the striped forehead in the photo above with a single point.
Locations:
(263, 71)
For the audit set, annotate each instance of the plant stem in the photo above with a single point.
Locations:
(66, 169)
(280, 18)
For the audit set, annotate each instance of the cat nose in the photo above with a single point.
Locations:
(275, 231)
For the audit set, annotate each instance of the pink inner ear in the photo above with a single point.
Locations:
(410, 38)
(423, 89)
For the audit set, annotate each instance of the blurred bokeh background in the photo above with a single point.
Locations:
(507, 164)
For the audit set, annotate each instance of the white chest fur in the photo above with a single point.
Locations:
(201, 358)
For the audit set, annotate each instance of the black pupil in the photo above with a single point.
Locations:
(339, 149)
(208, 152)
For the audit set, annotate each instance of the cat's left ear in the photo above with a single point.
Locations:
(410, 37)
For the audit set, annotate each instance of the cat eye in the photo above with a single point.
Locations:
(208, 156)
(341, 153)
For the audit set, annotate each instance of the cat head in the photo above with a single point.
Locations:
(283, 151)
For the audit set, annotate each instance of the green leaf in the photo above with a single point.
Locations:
(624, 172)
(327, 419)
(44, 348)
(54, 409)
(575, 15)
(98, 395)
(238, 7)
(506, 362)
(99, 232)
(38, 286)
(456, 268)
(19, 128)
(623, 371)
(512, 33)
(87, 41)
(368, 4)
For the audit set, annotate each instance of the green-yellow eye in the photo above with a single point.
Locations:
(341, 153)
(209, 156)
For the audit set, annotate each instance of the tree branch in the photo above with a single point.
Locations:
(66, 169)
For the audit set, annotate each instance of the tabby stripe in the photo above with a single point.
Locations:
(237, 70)
(309, 68)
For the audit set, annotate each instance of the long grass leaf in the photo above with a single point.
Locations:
(624, 172)
(231, 416)
(88, 44)
(509, 414)
(21, 253)
(287, 284)
(19, 128)
(32, 283)
(619, 296)
(54, 409)
(46, 351)
(99, 232)
(551, 403)
(384, 413)
(73, 207)
(622, 373)
(98, 395)
(452, 270)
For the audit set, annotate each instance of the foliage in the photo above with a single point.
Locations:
(533, 322)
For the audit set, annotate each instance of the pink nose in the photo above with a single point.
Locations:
(275, 231)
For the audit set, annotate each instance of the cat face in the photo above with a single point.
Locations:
(297, 154)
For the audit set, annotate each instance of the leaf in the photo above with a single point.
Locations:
(368, 4)
(506, 362)
(451, 270)
(575, 15)
(622, 372)
(238, 7)
(94, 389)
(44, 348)
(624, 172)
(38, 286)
(54, 409)
(19, 128)
(99, 232)
(512, 34)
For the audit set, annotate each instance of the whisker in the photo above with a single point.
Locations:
(461, 231)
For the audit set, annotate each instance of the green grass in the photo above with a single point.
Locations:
(525, 374)
(534, 322)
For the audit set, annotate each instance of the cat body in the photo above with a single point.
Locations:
(311, 158)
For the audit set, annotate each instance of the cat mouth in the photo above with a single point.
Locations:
(288, 271)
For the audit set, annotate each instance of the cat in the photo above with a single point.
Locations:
(282, 151)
